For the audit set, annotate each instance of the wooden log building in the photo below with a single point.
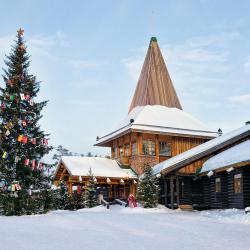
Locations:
(114, 180)
(220, 179)
(158, 132)
(156, 128)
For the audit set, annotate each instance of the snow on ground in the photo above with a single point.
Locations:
(127, 229)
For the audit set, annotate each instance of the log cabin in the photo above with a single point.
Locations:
(112, 179)
(220, 178)
(156, 128)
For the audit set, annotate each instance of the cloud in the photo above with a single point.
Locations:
(240, 99)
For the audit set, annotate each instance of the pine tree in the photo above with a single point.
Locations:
(63, 196)
(91, 191)
(148, 188)
(23, 143)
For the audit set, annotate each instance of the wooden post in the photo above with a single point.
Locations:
(157, 153)
(177, 190)
(172, 191)
(166, 192)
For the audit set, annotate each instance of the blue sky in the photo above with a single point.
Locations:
(88, 55)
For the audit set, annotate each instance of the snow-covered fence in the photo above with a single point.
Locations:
(120, 202)
(105, 203)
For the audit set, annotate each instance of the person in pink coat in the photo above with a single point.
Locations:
(131, 201)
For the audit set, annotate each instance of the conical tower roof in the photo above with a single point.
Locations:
(155, 86)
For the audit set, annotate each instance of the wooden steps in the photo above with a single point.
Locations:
(186, 207)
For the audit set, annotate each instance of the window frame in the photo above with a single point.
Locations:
(134, 148)
(217, 185)
(148, 147)
(238, 184)
(168, 150)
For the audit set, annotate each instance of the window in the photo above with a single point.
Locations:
(217, 185)
(127, 150)
(165, 148)
(148, 147)
(121, 152)
(237, 183)
(116, 152)
(134, 148)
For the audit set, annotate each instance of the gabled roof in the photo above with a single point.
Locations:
(159, 119)
(203, 150)
(234, 155)
(155, 86)
(101, 167)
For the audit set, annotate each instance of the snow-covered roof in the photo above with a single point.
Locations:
(101, 167)
(157, 118)
(201, 150)
(237, 154)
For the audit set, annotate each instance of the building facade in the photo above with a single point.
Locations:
(155, 128)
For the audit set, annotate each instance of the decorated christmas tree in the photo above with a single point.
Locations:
(90, 191)
(148, 188)
(25, 179)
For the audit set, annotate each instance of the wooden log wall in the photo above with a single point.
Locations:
(246, 185)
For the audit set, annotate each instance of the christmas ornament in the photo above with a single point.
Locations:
(45, 141)
(22, 47)
(7, 133)
(33, 141)
(22, 96)
(20, 138)
(33, 163)
(2, 105)
(31, 102)
(5, 155)
(10, 83)
(27, 97)
(11, 97)
(24, 139)
(17, 159)
(26, 162)
(24, 123)
(30, 192)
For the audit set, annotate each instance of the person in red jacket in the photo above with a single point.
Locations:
(131, 201)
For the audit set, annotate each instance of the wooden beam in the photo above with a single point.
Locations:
(166, 192)
(178, 190)
(172, 191)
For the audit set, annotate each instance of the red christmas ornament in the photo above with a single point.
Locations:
(27, 97)
(2, 105)
(40, 165)
(33, 141)
(25, 139)
(33, 163)
(24, 123)
(45, 141)
(26, 161)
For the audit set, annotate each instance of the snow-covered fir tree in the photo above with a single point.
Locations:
(91, 191)
(148, 188)
(23, 143)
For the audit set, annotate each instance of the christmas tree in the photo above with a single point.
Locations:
(148, 188)
(23, 144)
(90, 191)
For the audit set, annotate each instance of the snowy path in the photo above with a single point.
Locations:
(129, 229)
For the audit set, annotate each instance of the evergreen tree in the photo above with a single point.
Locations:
(148, 188)
(23, 143)
(91, 191)
(63, 196)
